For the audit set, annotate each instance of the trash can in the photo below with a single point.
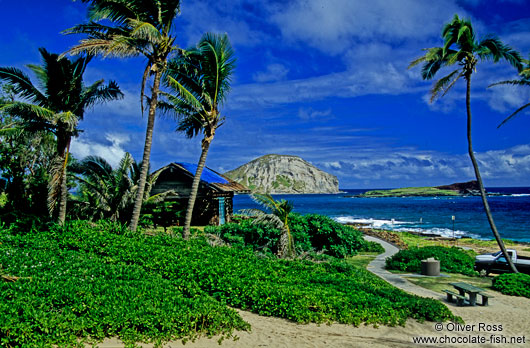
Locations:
(430, 267)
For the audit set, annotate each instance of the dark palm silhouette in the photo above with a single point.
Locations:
(462, 48)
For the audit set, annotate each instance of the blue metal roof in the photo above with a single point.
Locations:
(207, 175)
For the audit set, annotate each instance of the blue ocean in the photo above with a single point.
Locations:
(433, 215)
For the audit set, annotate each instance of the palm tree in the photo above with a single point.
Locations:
(200, 79)
(277, 218)
(56, 109)
(523, 81)
(109, 193)
(462, 48)
(137, 27)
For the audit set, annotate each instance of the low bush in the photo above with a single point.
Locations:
(452, 260)
(311, 233)
(99, 280)
(515, 284)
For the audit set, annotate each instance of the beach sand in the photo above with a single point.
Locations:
(507, 311)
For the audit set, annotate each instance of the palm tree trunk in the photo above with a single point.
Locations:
(147, 151)
(479, 178)
(290, 242)
(61, 217)
(195, 185)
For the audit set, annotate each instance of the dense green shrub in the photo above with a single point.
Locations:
(515, 284)
(99, 280)
(452, 260)
(246, 233)
(311, 233)
(372, 247)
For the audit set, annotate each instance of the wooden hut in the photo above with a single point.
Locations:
(214, 204)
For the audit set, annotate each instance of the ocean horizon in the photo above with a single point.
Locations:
(510, 207)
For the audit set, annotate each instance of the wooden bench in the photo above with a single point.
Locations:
(485, 298)
(460, 300)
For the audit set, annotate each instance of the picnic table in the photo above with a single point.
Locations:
(472, 292)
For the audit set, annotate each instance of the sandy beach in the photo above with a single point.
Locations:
(504, 323)
(507, 311)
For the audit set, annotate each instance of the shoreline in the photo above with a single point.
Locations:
(478, 245)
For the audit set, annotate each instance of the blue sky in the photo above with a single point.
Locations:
(326, 80)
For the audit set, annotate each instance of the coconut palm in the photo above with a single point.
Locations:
(136, 28)
(277, 217)
(461, 47)
(200, 81)
(109, 193)
(55, 106)
(523, 81)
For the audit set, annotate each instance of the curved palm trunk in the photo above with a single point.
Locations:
(61, 217)
(147, 152)
(479, 178)
(290, 243)
(195, 185)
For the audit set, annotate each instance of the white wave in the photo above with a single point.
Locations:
(375, 223)
(400, 226)
(519, 195)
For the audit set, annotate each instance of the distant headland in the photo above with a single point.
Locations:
(469, 188)
(284, 174)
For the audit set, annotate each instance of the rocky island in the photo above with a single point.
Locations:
(457, 189)
(283, 174)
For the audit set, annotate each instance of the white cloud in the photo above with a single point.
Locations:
(225, 16)
(273, 72)
(334, 25)
(409, 167)
(385, 80)
(312, 114)
(112, 152)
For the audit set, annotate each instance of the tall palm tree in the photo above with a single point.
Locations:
(136, 28)
(56, 107)
(110, 193)
(461, 47)
(278, 217)
(523, 81)
(200, 79)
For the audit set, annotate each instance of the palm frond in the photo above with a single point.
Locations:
(265, 200)
(417, 61)
(514, 114)
(512, 82)
(270, 220)
(491, 48)
(186, 95)
(28, 111)
(97, 93)
(142, 88)
(445, 84)
(21, 85)
(144, 31)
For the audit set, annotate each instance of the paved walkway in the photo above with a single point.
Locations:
(377, 267)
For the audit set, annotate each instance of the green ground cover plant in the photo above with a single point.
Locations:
(452, 260)
(311, 233)
(515, 284)
(100, 280)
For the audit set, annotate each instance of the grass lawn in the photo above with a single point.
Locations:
(438, 284)
(361, 260)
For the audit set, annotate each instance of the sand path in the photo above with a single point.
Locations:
(504, 320)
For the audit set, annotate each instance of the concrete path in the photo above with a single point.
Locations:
(377, 267)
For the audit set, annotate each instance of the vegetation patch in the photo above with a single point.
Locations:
(452, 260)
(410, 191)
(98, 280)
(515, 284)
(311, 233)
